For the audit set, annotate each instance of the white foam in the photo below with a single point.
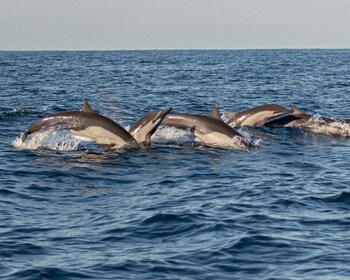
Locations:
(172, 134)
(224, 118)
(60, 140)
(315, 118)
(248, 138)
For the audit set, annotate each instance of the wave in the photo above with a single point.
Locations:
(343, 197)
(11, 249)
(48, 273)
(159, 226)
(21, 112)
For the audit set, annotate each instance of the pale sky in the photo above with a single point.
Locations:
(173, 24)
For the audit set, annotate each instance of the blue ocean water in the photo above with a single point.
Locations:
(177, 210)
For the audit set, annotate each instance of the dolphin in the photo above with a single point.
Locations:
(256, 116)
(211, 130)
(104, 131)
(322, 125)
(297, 118)
(144, 128)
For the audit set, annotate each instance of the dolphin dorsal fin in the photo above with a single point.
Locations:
(215, 113)
(86, 107)
(230, 114)
(295, 110)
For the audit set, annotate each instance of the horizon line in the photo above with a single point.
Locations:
(169, 49)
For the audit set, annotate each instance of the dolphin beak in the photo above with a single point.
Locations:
(162, 114)
(166, 111)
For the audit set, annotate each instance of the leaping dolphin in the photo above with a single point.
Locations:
(323, 125)
(297, 118)
(104, 131)
(256, 116)
(211, 130)
(144, 128)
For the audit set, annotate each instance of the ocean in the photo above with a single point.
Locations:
(178, 210)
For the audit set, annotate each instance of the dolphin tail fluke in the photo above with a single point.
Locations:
(143, 129)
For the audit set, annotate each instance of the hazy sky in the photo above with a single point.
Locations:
(173, 24)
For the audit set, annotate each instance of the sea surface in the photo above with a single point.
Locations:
(179, 210)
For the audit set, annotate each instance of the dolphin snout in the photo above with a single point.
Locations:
(162, 114)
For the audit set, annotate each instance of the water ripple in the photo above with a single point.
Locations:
(178, 210)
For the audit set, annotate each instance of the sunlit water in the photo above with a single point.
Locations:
(179, 210)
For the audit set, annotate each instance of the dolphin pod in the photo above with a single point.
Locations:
(211, 130)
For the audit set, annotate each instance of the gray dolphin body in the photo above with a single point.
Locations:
(297, 118)
(104, 131)
(210, 130)
(256, 116)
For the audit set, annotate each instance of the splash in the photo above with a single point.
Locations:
(224, 118)
(247, 138)
(172, 134)
(60, 140)
(241, 143)
(316, 118)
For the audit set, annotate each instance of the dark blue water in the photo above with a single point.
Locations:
(177, 210)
